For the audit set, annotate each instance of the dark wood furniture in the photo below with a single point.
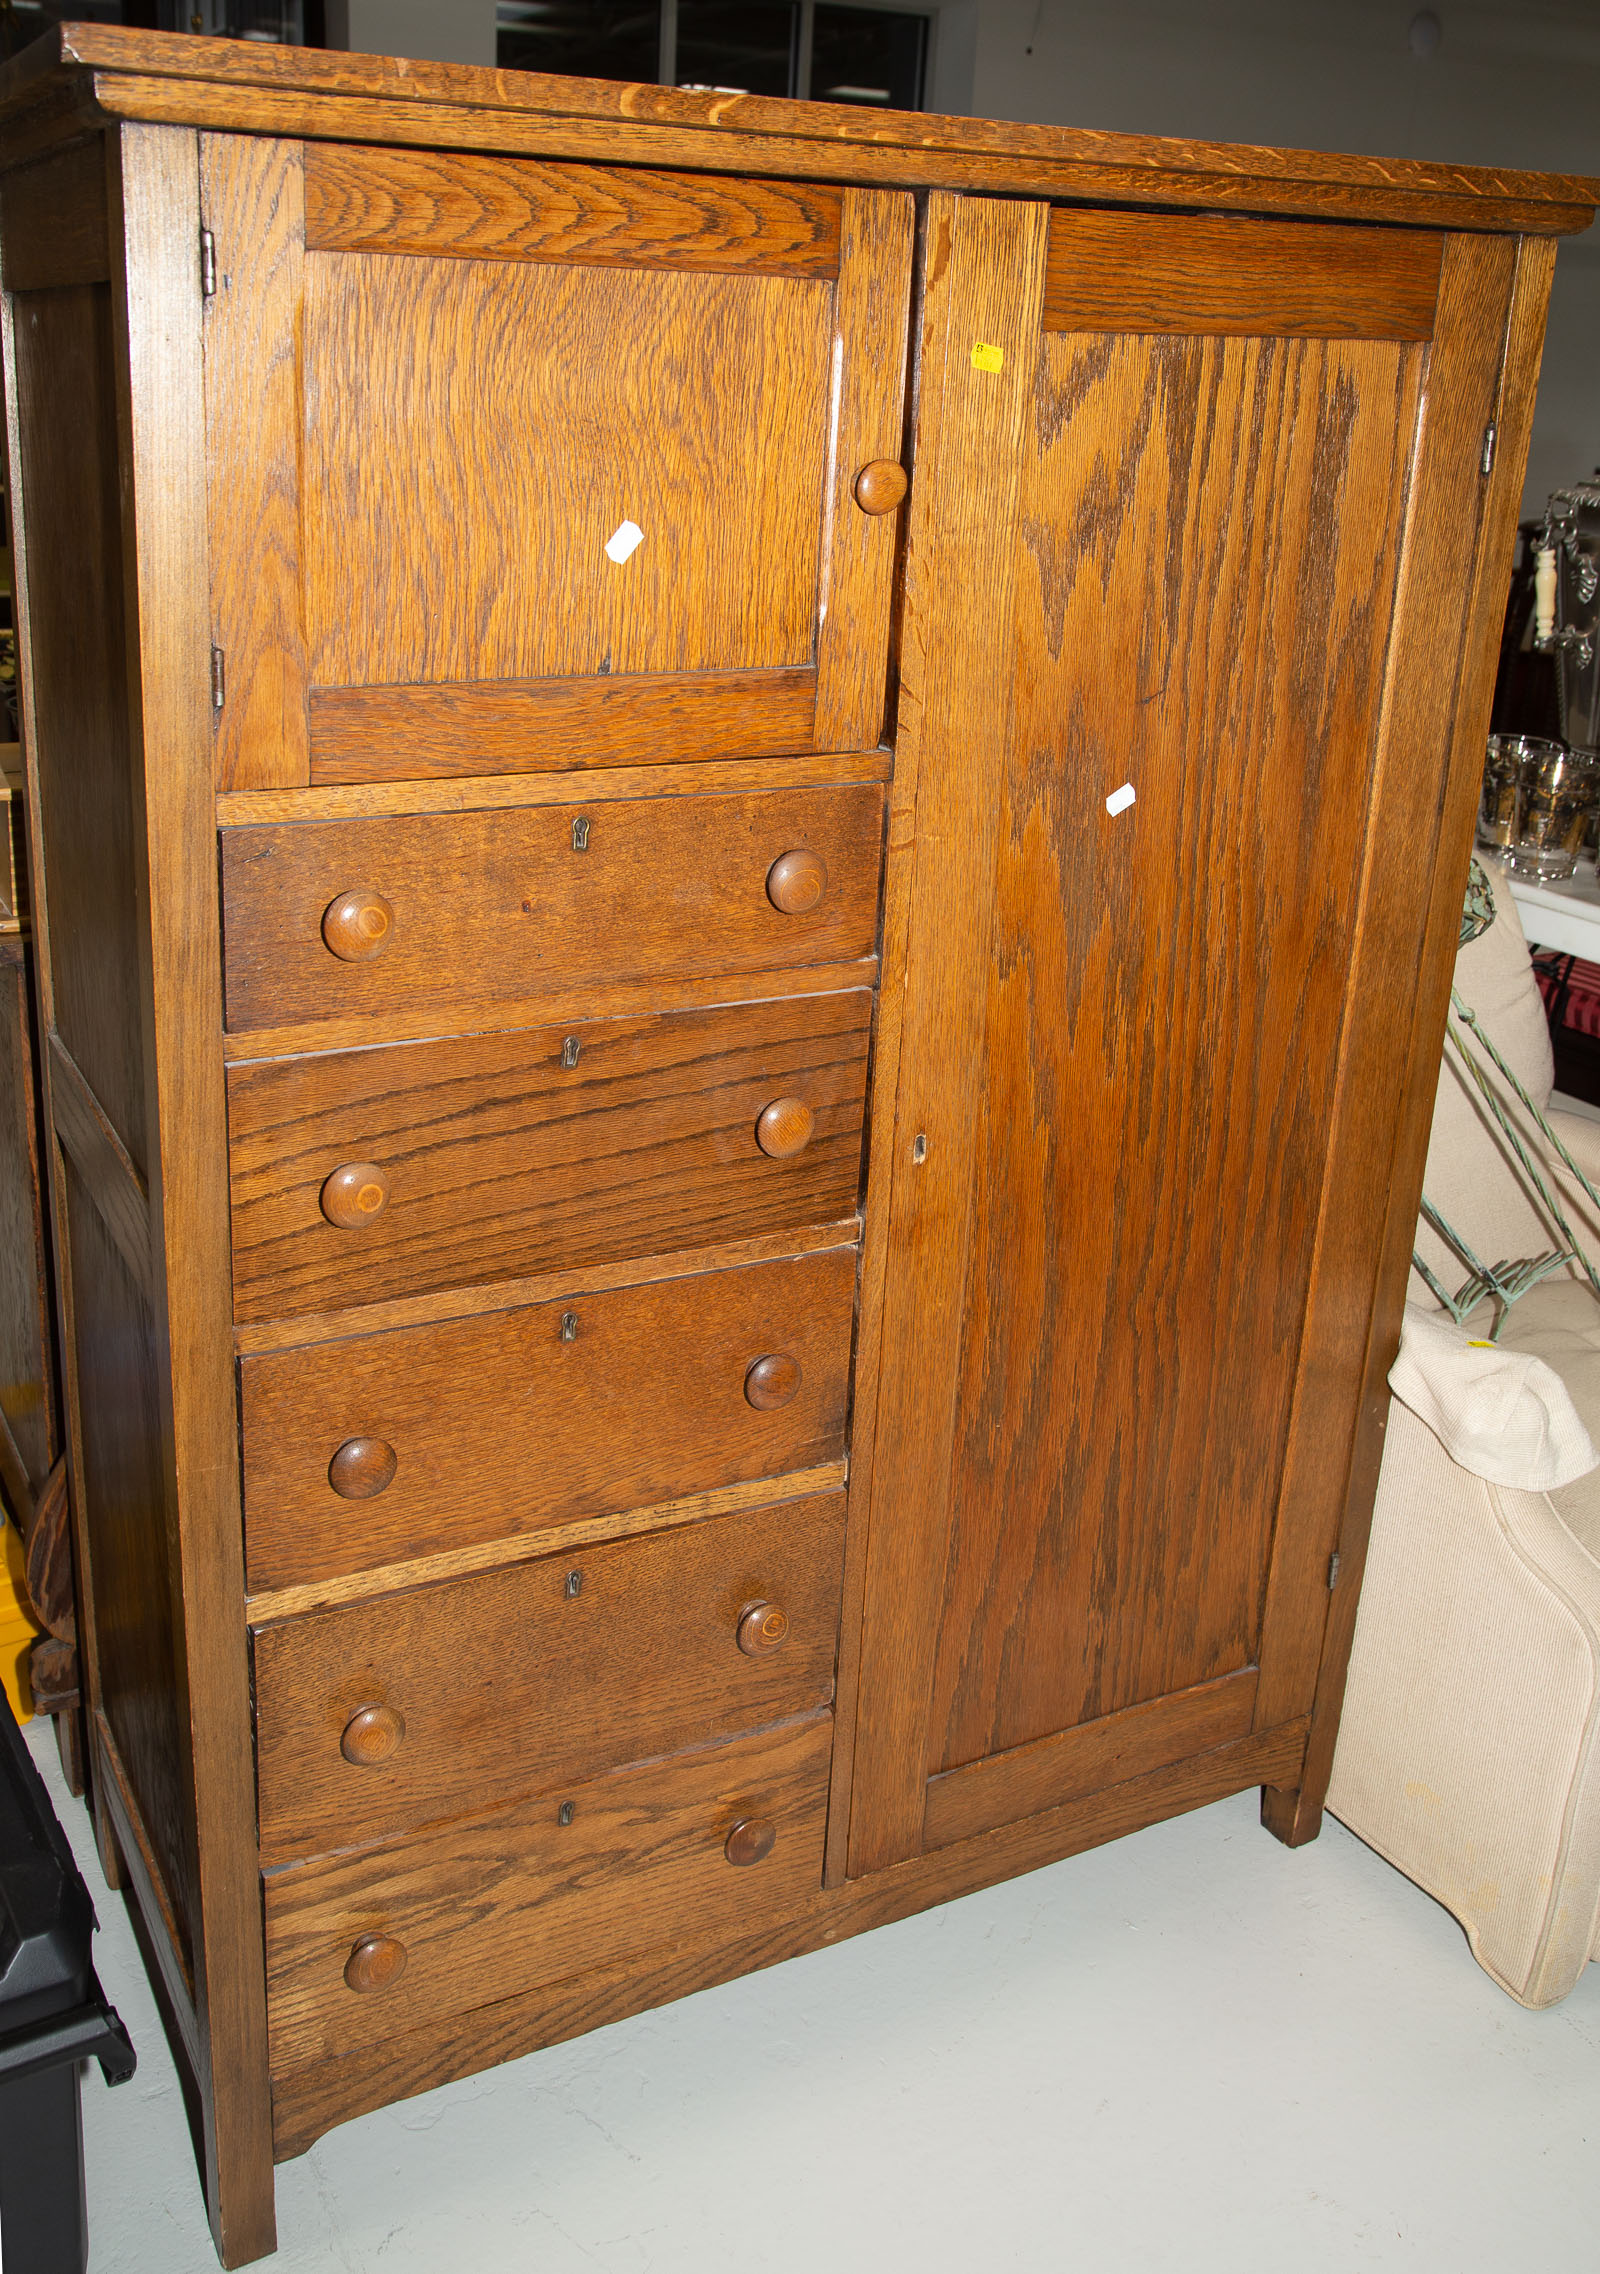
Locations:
(38, 1591)
(734, 1146)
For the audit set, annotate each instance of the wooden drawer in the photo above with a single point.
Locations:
(517, 1899)
(503, 1154)
(437, 916)
(505, 1903)
(492, 1426)
(557, 1668)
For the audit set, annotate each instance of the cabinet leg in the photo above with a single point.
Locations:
(111, 1862)
(44, 2222)
(240, 2201)
(1290, 1815)
(69, 1744)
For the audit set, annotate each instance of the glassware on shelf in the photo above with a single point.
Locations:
(1537, 802)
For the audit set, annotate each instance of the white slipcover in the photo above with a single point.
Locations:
(1469, 1749)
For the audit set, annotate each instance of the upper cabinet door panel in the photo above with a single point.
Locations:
(517, 466)
(477, 430)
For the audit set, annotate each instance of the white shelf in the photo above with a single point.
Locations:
(1562, 916)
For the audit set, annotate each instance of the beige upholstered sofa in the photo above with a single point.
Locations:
(1469, 1752)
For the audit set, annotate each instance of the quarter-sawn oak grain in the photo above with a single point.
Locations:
(501, 1159)
(252, 198)
(176, 436)
(411, 201)
(155, 210)
(1219, 274)
(498, 1426)
(490, 394)
(1121, 1146)
(247, 88)
(983, 277)
(490, 908)
(502, 1904)
(1457, 559)
(509, 1681)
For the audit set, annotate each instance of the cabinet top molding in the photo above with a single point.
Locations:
(79, 73)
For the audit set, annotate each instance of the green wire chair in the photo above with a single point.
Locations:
(1505, 1282)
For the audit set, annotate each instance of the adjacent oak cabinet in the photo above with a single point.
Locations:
(749, 822)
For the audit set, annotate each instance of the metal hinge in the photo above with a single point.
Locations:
(1491, 435)
(208, 264)
(1333, 1573)
(219, 679)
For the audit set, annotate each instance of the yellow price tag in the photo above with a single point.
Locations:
(987, 358)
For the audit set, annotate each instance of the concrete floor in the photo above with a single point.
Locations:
(1188, 2051)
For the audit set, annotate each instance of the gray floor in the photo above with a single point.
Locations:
(1188, 2051)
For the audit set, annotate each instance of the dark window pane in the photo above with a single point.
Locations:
(868, 55)
(279, 23)
(750, 48)
(589, 38)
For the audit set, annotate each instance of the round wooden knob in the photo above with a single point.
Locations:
(354, 1194)
(763, 1629)
(771, 1382)
(750, 1840)
(796, 883)
(377, 1962)
(880, 486)
(362, 1468)
(357, 925)
(371, 1735)
(785, 1128)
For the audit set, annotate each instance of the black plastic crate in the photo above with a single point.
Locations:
(52, 2016)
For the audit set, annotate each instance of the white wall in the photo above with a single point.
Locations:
(428, 31)
(1512, 83)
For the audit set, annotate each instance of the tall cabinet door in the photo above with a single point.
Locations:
(518, 465)
(1198, 516)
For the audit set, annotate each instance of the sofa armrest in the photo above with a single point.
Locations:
(1581, 1137)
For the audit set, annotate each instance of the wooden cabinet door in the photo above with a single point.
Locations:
(1198, 519)
(516, 465)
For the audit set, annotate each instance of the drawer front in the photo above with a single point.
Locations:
(438, 915)
(507, 1903)
(363, 1453)
(479, 1159)
(562, 1667)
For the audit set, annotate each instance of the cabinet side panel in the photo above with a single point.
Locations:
(66, 410)
(123, 1507)
(155, 202)
(27, 1371)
